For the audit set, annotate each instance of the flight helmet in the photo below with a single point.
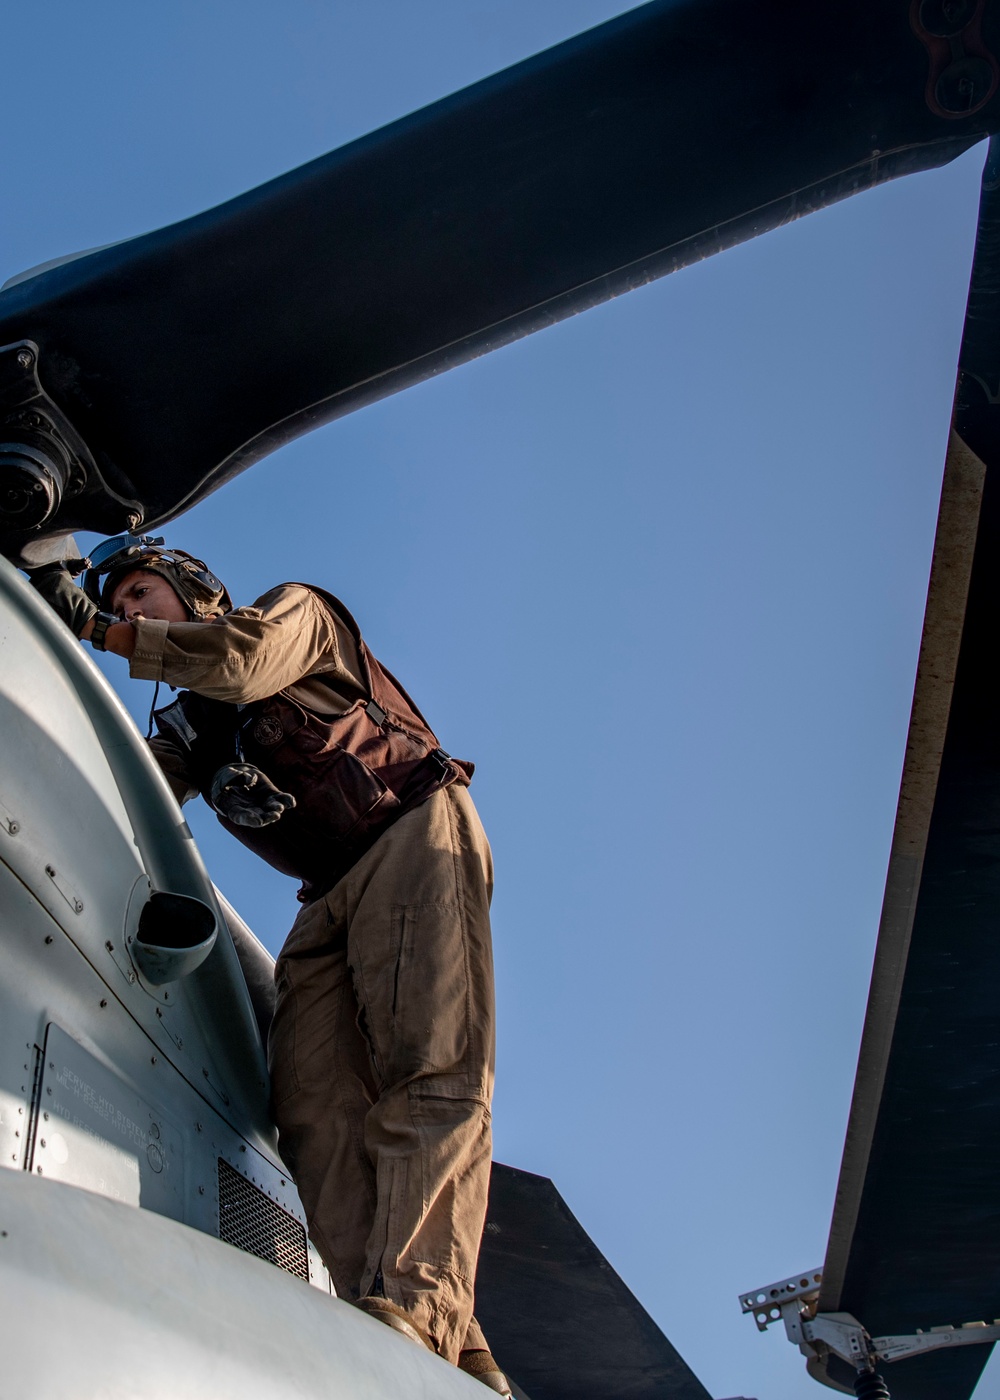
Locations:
(190, 578)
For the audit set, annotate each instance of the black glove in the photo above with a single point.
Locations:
(56, 586)
(246, 796)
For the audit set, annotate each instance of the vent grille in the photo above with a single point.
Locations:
(252, 1222)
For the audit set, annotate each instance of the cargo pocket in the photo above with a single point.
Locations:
(346, 795)
(429, 995)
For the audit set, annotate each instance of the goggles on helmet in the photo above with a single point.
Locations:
(190, 578)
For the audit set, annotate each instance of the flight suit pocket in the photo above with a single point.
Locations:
(428, 996)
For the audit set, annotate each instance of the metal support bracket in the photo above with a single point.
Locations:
(793, 1301)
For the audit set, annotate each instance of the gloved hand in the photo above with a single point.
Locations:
(243, 794)
(55, 584)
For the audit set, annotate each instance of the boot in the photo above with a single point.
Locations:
(481, 1365)
(393, 1316)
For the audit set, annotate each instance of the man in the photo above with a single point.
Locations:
(382, 1047)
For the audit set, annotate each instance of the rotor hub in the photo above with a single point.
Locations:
(31, 485)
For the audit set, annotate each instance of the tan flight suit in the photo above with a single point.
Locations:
(382, 1047)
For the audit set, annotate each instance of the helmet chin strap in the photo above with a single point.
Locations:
(152, 711)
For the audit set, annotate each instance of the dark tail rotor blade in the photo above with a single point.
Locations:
(663, 136)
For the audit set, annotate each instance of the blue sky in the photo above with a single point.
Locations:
(659, 570)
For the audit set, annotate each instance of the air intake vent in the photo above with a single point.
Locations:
(252, 1222)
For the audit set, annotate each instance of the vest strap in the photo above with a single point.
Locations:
(376, 713)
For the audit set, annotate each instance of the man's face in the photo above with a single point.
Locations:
(145, 594)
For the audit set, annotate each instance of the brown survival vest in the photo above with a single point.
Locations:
(352, 774)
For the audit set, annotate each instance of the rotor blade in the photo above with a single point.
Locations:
(557, 1315)
(654, 140)
(915, 1237)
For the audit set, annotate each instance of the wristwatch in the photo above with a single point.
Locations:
(102, 621)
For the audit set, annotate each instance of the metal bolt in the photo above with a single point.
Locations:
(49, 1092)
(109, 945)
(50, 872)
(201, 1190)
(964, 85)
(945, 19)
(46, 1117)
(17, 1132)
(197, 1127)
(104, 1002)
(25, 359)
(77, 906)
(48, 938)
(152, 1059)
(38, 1170)
(13, 828)
(41, 1142)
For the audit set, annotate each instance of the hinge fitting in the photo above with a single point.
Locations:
(793, 1301)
